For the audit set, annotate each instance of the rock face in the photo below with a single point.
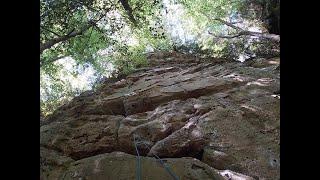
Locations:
(118, 165)
(217, 159)
(221, 112)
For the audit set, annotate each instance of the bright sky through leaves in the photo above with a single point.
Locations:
(116, 44)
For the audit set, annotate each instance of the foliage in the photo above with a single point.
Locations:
(114, 37)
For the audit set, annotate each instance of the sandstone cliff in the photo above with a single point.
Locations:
(209, 119)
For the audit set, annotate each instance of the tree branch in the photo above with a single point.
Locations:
(129, 11)
(243, 32)
(230, 36)
(237, 22)
(227, 23)
(50, 31)
(50, 43)
(71, 34)
(273, 37)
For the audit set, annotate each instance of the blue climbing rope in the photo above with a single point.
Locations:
(167, 168)
(138, 170)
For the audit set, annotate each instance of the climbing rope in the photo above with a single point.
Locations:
(167, 168)
(138, 170)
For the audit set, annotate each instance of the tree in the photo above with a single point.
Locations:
(80, 29)
(63, 20)
(229, 24)
(86, 29)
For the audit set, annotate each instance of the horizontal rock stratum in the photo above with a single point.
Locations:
(223, 113)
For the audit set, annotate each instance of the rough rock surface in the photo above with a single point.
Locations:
(118, 165)
(222, 112)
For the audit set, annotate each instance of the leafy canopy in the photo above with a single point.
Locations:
(112, 37)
